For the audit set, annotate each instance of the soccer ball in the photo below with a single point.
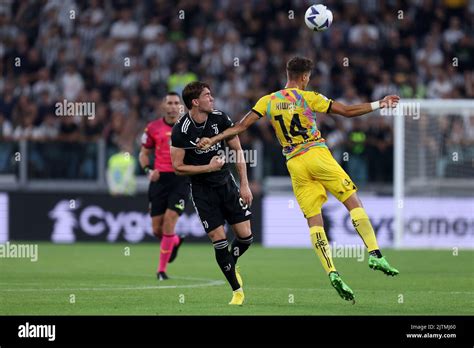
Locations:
(318, 17)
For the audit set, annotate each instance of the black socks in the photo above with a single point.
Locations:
(376, 253)
(239, 246)
(226, 262)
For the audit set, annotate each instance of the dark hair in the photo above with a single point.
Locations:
(192, 91)
(298, 66)
(173, 93)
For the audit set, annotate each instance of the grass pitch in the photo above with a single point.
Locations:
(100, 279)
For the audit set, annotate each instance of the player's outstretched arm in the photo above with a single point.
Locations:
(242, 125)
(390, 101)
(177, 158)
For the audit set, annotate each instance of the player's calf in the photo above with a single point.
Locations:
(226, 262)
(239, 246)
(166, 248)
(157, 226)
(362, 225)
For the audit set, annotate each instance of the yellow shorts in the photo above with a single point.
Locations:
(314, 172)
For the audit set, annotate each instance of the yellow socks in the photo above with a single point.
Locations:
(362, 225)
(321, 246)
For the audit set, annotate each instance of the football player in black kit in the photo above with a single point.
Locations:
(215, 194)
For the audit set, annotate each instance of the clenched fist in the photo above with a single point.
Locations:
(390, 101)
(216, 163)
(204, 143)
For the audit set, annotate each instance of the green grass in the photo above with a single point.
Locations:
(105, 281)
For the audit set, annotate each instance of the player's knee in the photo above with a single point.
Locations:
(217, 234)
(316, 220)
(352, 202)
(246, 240)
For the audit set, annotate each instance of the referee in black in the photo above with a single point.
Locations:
(216, 196)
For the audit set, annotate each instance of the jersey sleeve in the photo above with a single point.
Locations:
(318, 102)
(261, 107)
(223, 120)
(147, 140)
(177, 138)
(226, 121)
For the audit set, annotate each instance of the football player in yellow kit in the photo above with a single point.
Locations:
(312, 167)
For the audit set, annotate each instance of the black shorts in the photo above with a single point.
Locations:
(171, 191)
(215, 205)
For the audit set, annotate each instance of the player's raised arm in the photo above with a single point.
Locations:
(242, 125)
(177, 158)
(364, 108)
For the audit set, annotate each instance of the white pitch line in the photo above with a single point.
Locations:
(209, 282)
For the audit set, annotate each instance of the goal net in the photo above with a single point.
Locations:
(434, 173)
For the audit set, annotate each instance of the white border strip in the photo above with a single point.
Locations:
(4, 217)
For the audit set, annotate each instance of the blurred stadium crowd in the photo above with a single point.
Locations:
(124, 55)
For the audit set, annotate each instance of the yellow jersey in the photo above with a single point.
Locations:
(292, 113)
